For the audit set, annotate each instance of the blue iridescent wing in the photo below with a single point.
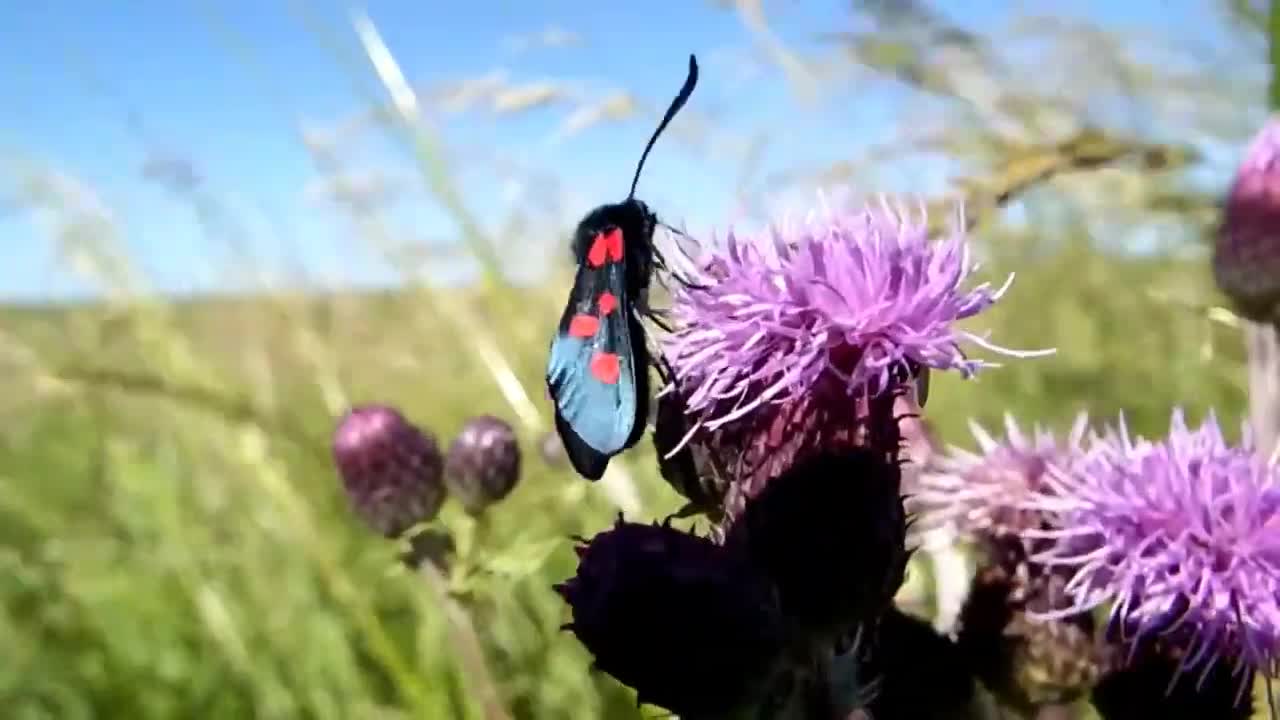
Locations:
(592, 370)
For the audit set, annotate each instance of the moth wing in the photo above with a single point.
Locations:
(596, 413)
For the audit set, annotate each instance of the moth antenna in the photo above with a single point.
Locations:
(689, 83)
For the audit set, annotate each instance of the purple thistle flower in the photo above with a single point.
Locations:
(982, 493)
(1181, 535)
(390, 469)
(677, 618)
(786, 328)
(1246, 254)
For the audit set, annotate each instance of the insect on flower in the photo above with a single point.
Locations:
(598, 371)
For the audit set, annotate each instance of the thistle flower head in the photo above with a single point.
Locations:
(1181, 535)
(982, 493)
(390, 468)
(839, 304)
(778, 335)
(676, 617)
(1246, 254)
(483, 463)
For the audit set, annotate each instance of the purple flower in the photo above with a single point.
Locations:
(778, 333)
(1182, 536)
(1246, 254)
(390, 469)
(982, 493)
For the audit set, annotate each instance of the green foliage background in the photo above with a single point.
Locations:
(173, 540)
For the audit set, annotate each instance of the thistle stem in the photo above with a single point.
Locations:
(1262, 340)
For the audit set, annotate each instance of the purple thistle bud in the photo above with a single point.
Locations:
(390, 468)
(1182, 536)
(1246, 255)
(830, 532)
(483, 463)
(983, 493)
(819, 312)
(676, 617)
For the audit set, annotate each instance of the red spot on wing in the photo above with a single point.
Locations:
(606, 368)
(583, 326)
(608, 302)
(606, 246)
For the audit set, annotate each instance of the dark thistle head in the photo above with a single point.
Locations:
(675, 617)
(831, 534)
(390, 468)
(907, 652)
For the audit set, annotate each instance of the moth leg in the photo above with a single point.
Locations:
(658, 317)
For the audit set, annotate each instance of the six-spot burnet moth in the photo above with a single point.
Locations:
(598, 372)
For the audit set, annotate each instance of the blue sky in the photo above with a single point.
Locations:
(96, 92)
